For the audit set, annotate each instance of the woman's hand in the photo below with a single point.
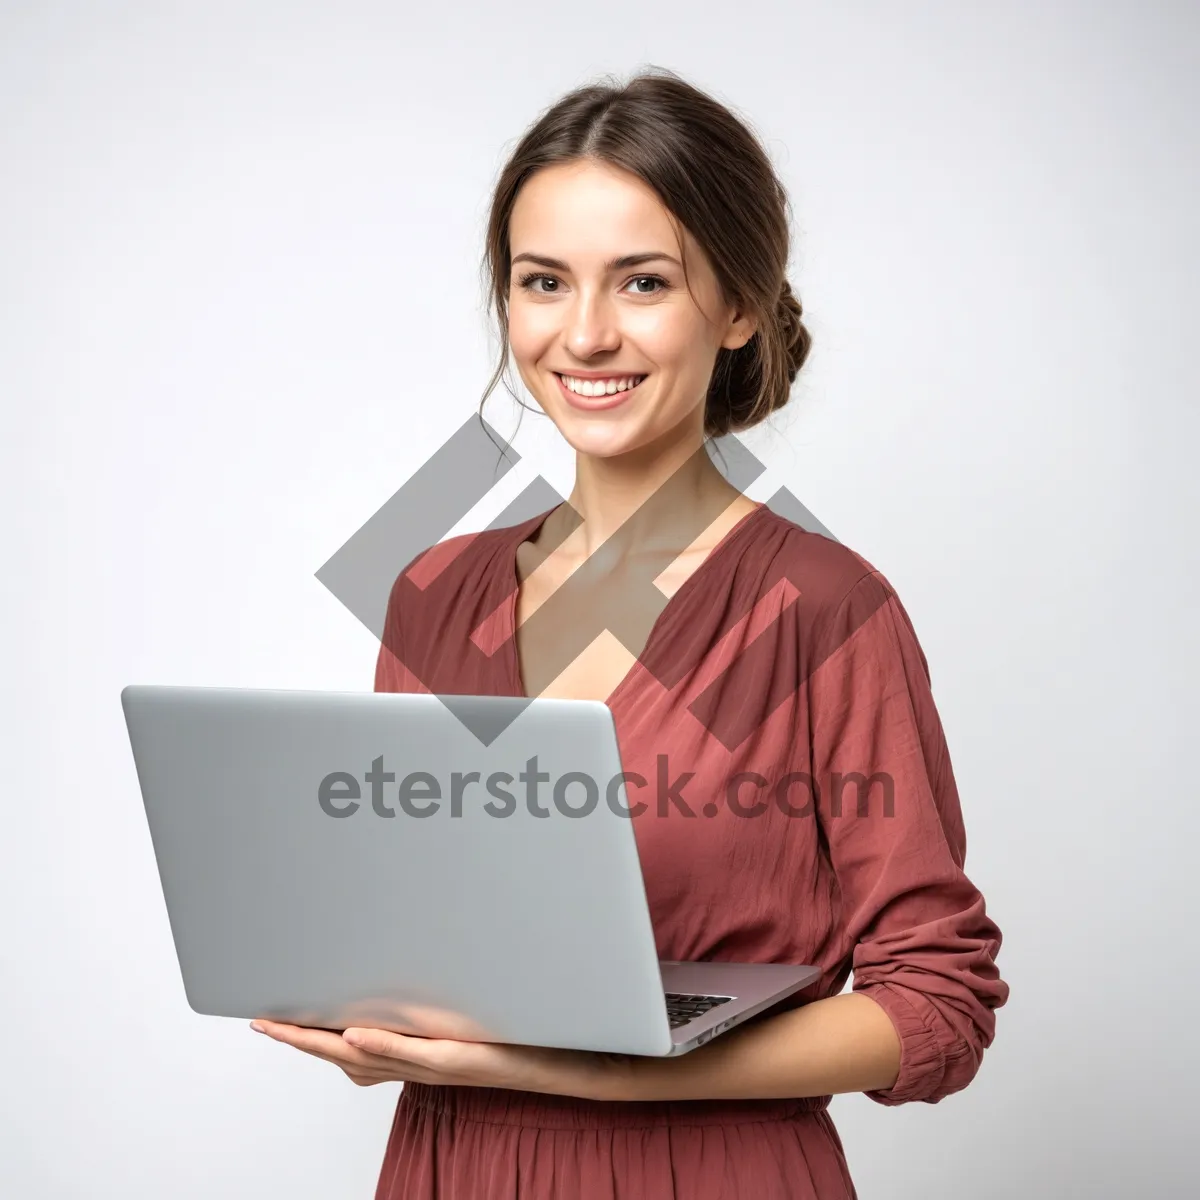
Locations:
(370, 1056)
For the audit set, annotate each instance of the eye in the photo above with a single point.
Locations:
(656, 279)
(527, 282)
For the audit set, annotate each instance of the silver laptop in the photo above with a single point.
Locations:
(443, 866)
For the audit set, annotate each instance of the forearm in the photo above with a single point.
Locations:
(845, 1043)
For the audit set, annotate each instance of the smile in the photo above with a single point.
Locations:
(593, 394)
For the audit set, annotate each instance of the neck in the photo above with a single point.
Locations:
(654, 498)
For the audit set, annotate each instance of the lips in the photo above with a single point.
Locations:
(597, 403)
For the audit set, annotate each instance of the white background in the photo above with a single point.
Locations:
(240, 304)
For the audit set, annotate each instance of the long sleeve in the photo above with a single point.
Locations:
(923, 946)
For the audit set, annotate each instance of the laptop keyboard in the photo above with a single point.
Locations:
(682, 1008)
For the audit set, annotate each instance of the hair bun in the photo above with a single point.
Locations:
(795, 337)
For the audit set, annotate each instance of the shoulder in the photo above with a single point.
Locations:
(467, 562)
(838, 592)
(823, 570)
(845, 602)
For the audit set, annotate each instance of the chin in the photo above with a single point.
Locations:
(610, 439)
(610, 443)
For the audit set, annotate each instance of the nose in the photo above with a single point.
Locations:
(591, 326)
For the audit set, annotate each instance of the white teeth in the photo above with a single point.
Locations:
(600, 387)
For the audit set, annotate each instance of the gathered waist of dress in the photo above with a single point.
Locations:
(498, 1106)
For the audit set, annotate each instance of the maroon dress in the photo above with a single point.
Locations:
(785, 653)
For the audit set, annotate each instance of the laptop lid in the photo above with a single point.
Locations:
(332, 859)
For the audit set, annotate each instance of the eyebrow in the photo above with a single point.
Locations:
(613, 264)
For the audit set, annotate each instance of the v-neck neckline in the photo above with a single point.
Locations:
(529, 529)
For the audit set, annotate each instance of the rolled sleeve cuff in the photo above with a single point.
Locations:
(922, 1061)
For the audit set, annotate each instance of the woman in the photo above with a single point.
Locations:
(637, 250)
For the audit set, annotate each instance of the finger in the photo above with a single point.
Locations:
(395, 1075)
(321, 1043)
(314, 1041)
(330, 1046)
(371, 1070)
(423, 1052)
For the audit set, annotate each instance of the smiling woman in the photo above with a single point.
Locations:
(619, 247)
(636, 259)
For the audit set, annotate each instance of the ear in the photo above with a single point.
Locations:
(742, 327)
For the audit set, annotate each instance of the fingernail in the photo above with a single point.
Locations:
(355, 1039)
(257, 1027)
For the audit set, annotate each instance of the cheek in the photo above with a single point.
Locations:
(530, 331)
(671, 340)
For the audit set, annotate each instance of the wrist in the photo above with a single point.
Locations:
(613, 1078)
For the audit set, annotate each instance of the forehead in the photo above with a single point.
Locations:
(579, 211)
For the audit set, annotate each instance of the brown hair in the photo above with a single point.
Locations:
(713, 175)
